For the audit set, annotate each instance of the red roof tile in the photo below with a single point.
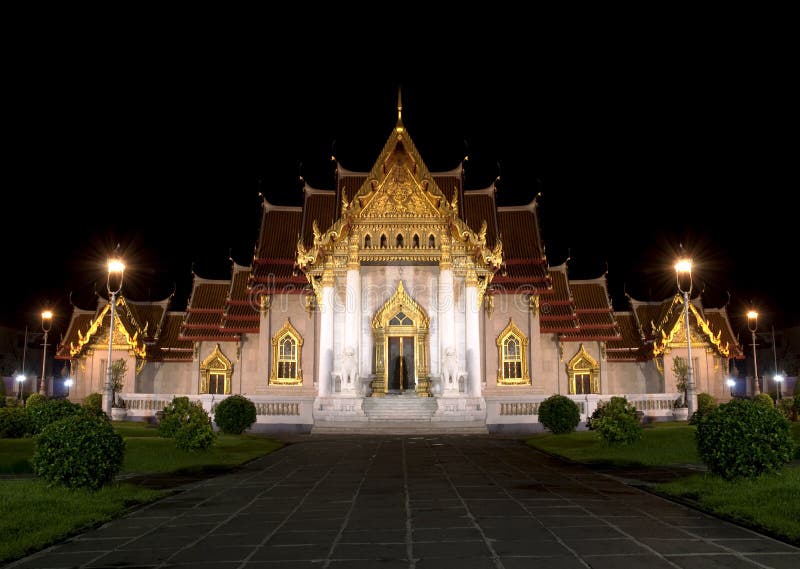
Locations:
(478, 207)
(630, 347)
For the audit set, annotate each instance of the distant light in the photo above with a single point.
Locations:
(779, 378)
(68, 383)
(684, 266)
(20, 378)
(730, 382)
(47, 315)
(115, 266)
(752, 314)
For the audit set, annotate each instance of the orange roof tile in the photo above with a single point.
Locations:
(630, 346)
(169, 347)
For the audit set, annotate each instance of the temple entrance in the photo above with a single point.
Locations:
(400, 328)
(402, 375)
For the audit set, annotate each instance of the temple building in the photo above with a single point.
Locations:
(406, 297)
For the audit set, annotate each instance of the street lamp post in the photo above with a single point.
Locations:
(683, 270)
(47, 323)
(116, 269)
(752, 325)
(778, 386)
(20, 380)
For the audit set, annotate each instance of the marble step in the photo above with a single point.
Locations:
(400, 428)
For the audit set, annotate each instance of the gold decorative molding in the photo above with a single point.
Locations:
(583, 363)
(533, 304)
(216, 363)
(382, 330)
(489, 304)
(287, 370)
(512, 356)
(124, 340)
(677, 336)
(264, 303)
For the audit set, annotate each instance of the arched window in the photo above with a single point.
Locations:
(398, 242)
(367, 242)
(383, 241)
(215, 373)
(415, 241)
(512, 356)
(287, 346)
(584, 373)
(431, 242)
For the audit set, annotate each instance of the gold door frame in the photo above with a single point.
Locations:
(419, 331)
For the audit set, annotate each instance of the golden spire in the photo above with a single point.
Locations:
(399, 126)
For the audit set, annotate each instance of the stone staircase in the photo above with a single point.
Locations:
(397, 414)
(406, 407)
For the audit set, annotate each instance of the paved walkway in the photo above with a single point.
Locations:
(415, 502)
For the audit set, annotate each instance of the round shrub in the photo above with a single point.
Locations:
(35, 399)
(50, 411)
(764, 400)
(745, 439)
(618, 423)
(14, 423)
(235, 414)
(94, 401)
(705, 404)
(195, 435)
(81, 451)
(593, 421)
(559, 414)
(187, 423)
(785, 406)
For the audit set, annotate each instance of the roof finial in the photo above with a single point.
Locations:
(399, 125)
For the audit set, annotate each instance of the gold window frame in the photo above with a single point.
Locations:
(581, 363)
(512, 330)
(277, 339)
(216, 362)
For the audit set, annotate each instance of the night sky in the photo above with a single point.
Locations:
(635, 151)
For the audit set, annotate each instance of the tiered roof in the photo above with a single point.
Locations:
(660, 323)
(524, 260)
(205, 313)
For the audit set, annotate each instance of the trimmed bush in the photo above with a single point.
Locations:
(705, 404)
(14, 423)
(94, 401)
(2, 393)
(764, 400)
(786, 406)
(618, 423)
(35, 399)
(195, 435)
(188, 424)
(235, 414)
(593, 421)
(744, 439)
(81, 451)
(559, 414)
(50, 411)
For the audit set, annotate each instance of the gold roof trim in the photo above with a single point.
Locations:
(131, 340)
(662, 344)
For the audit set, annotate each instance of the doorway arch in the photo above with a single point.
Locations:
(402, 318)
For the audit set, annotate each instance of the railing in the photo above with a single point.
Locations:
(652, 404)
(148, 404)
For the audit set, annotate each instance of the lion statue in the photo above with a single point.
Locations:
(349, 366)
(450, 366)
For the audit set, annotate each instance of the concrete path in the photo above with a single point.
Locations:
(415, 502)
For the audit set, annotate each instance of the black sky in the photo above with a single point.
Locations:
(635, 148)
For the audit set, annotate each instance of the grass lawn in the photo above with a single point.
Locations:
(766, 503)
(769, 503)
(32, 515)
(661, 443)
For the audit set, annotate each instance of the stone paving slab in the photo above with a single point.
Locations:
(441, 502)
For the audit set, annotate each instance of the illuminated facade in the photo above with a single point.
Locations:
(403, 285)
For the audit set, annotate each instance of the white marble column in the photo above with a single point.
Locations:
(352, 330)
(448, 353)
(473, 340)
(326, 338)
